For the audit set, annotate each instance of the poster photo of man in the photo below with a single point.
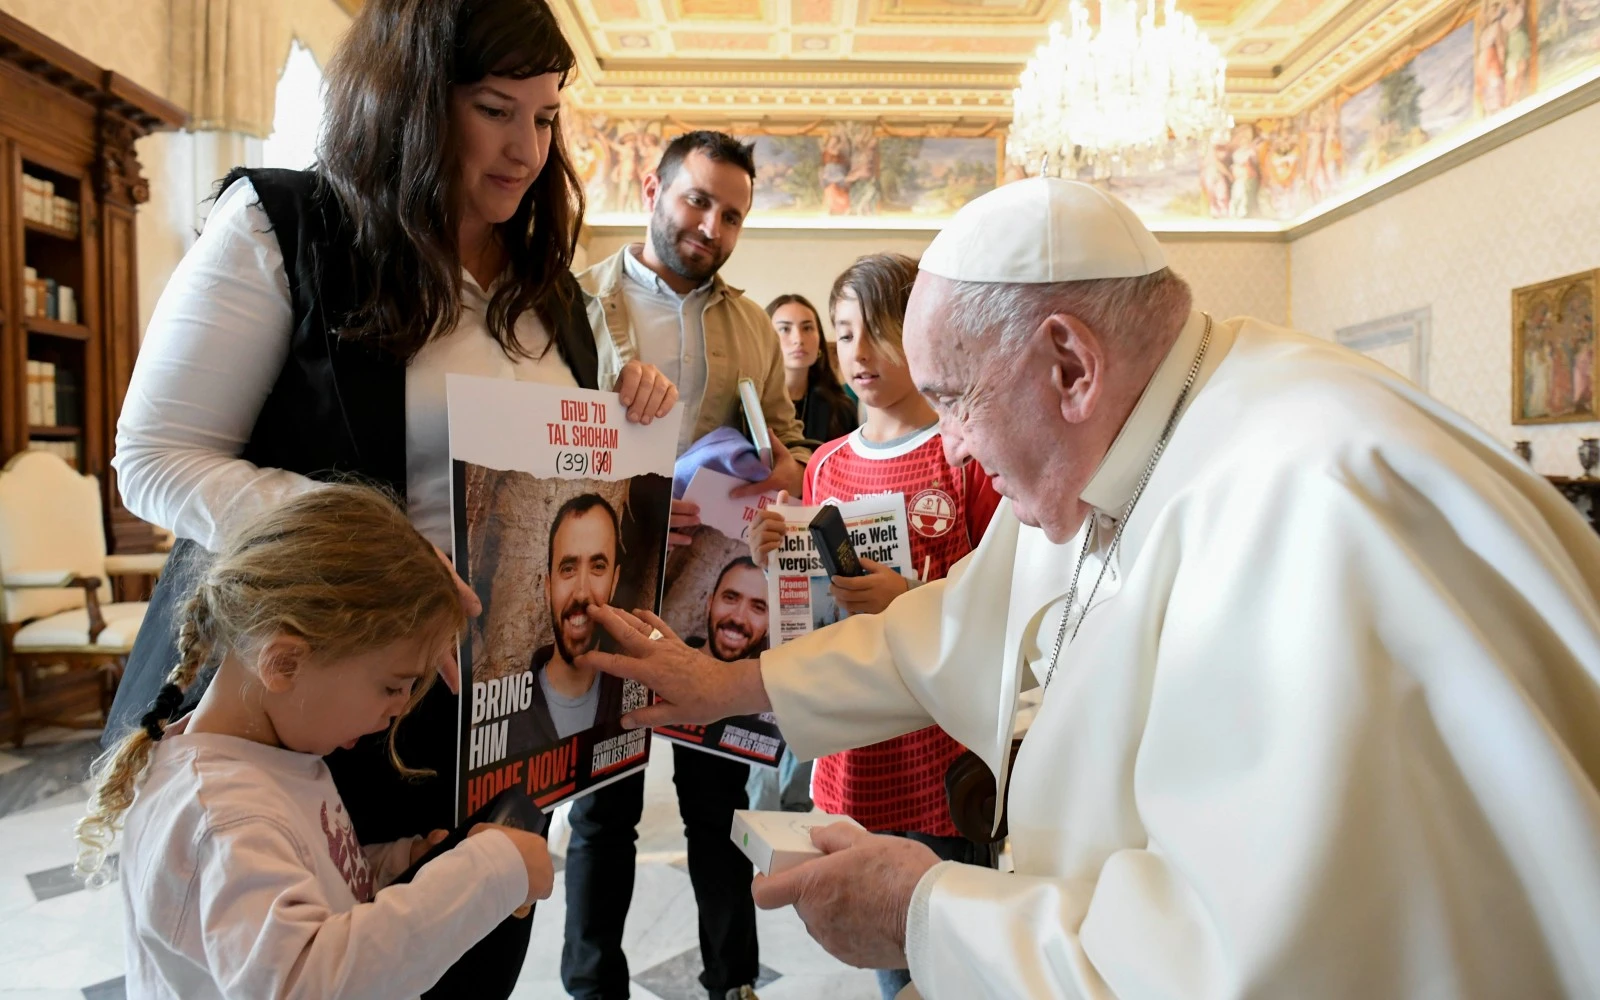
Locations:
(736, 616)
(716, 599)
(582, 570)
(541, 547)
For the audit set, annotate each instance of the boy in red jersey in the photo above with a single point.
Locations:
(896, 786)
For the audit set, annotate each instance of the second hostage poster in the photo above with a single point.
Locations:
(558, 504)
(716, 600)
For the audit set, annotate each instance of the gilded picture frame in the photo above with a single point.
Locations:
(1554, 352)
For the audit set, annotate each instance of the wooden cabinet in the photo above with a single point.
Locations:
(67, 124)
(67, 132)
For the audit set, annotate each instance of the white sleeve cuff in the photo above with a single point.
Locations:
(919, 943)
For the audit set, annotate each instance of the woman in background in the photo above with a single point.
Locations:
(820, 402)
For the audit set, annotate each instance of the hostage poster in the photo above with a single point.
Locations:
(797, 586)
(716, 600)
(558, 503)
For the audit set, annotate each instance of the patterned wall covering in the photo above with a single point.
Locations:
(1523, 213)
(1235, 279)
(133, 41)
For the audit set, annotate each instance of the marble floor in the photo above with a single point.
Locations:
(59, 941)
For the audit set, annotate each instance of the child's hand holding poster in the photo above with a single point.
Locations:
(559, 503)
(716, 599)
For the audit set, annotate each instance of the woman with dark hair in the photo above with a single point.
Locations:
(820, 403)
(308, 333)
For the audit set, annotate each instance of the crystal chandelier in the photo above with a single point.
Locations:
(1123, 98)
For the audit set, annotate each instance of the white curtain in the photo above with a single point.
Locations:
(226, 56)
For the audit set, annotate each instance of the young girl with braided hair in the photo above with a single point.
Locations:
(325, 620)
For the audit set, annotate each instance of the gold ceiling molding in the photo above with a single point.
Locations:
(899, 128)
(924, 12)
(1394, 58)
(1374, 40)
(936, 57)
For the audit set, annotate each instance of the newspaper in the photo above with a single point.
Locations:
(797, 585)
(716, 600)
(558, 503)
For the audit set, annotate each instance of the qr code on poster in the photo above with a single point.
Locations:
(634, 696)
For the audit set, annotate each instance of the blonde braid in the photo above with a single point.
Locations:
(116, 774)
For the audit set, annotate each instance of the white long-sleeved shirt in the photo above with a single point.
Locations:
(243, 879)
(1330, 726)
(217, 341)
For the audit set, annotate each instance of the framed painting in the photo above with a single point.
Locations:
(1399, 341)
(1553, 350)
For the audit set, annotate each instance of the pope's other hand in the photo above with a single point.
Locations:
(854, 900)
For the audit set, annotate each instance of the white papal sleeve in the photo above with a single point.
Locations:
(1362, 772)
(841, 687)
(216, 343)
(934, 655)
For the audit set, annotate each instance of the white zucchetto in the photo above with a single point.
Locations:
(1043, 229)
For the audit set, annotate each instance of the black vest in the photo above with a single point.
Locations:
(338, 406)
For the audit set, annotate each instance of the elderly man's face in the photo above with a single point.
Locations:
(1002, 408)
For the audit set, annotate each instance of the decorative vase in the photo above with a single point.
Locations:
(1524, 449)
(1589, 455)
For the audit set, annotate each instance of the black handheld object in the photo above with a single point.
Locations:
(833, 544)
(511, 807)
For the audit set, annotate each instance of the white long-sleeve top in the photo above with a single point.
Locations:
(243, 880)
(216, 343)
(1330, 729)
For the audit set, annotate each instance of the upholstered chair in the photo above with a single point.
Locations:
(57, 616)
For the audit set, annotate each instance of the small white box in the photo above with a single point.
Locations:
(778, 841)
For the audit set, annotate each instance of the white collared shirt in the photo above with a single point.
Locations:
(213, 351)
(669, 330)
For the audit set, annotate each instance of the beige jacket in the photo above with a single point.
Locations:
(739, 344)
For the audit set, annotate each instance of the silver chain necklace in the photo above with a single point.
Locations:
(1116, 539)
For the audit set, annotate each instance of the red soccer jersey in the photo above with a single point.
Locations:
(899, 784)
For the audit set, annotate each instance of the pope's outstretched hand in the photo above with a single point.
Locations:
(854, 901)
(693, 688)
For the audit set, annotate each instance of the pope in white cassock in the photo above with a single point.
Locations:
(1321, 660)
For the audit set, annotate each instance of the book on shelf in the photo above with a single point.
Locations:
(41, 204)
(42, 394)
(68, 410)
(44, 298)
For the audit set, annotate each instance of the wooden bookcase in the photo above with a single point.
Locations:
(66, 120)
